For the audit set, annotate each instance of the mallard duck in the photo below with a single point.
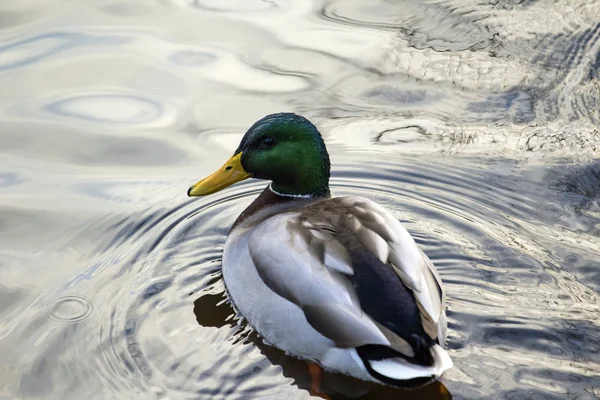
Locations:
(335, 281)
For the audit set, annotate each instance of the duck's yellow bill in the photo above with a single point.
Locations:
(225, 176)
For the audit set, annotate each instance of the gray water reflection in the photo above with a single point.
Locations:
(24, 52)
(475, 123)
(115, 109)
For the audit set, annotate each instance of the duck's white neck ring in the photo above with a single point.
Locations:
(293, 196)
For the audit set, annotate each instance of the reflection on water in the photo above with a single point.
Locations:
(474, 122)
(22, 52)
(115, 109)
(213, 310)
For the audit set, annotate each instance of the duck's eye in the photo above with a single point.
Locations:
(268, 141)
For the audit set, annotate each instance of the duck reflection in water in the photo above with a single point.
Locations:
(213, 310)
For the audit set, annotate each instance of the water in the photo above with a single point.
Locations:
(475, 122)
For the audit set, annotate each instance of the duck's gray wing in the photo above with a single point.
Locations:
(311, 274)
(356, 273)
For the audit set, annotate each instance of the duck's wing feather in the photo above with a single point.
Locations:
(356, 273)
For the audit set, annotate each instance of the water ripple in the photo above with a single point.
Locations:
(497, 290)
(106, 108)
(37, 48)
(115, 109)
(71, 309)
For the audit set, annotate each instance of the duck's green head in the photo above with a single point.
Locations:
(284, 148)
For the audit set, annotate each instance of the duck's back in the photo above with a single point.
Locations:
(339, 278)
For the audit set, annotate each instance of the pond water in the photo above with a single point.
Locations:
(474, 121)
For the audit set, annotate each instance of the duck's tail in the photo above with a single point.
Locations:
(398, 371)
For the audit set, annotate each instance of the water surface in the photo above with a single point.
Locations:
(475, 122)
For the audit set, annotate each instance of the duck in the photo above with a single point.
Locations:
(335, 281)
